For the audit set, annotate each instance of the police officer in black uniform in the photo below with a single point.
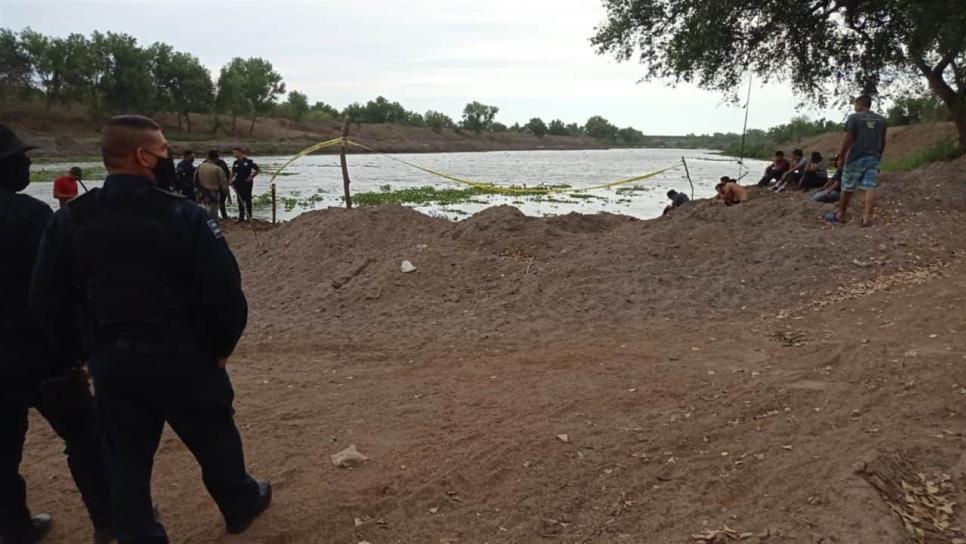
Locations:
(243, 172)
(120, 256)
(186, 176)
(30, 375)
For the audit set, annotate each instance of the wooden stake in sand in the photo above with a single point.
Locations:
(688, 173)
(345, 165)
(274, 194)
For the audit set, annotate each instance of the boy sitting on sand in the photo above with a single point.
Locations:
(832, 190)
(730, 192)
(677, 200)
(795, 174)
(775, 170)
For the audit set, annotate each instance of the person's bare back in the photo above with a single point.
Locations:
(732, 194)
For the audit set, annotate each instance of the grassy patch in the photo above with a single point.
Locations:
(41, 175)
(633, 189)
(553, 200)
(417, 195)
(942, 150)
(44, 159)
(585, 196)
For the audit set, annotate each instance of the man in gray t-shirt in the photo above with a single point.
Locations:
(861, 155)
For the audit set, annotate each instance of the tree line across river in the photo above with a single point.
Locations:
(110, 73)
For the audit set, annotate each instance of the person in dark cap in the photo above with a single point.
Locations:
(677, 200)
(119, 257)
(31, 375)
(186, 176)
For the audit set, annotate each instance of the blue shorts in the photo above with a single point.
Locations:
(862, 173)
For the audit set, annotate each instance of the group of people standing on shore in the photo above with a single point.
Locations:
(208, 184)
(857, 168)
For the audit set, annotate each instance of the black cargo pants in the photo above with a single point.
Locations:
(137, 393)
(66, 403)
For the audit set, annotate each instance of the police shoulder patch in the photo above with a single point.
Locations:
(169, 193)
(215, 229)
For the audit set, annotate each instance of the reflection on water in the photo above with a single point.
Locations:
(315, 182)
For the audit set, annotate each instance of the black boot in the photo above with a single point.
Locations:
(264, 499)
(38, 529)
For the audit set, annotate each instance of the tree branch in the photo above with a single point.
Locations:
(945, 62)
(938, 85)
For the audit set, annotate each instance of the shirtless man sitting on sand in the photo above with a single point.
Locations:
(730, 192)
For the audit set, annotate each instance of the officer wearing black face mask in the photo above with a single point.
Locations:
(30, 375)
(121, 256)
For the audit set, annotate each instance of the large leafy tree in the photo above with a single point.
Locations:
(557, 128)
(438, 120)
(48, 56)
(230, 99)
(537, 127)
(15, 65)
(825, 48)
(261, 86)
(127, 83)
(183, 84)
(298, 103)
(601, 129)
(479, 117)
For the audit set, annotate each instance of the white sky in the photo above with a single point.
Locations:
(532, 58)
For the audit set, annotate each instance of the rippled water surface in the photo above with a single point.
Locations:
(315, 182)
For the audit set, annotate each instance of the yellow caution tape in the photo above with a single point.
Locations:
(311, 149)
(491, 187)
(480, 185)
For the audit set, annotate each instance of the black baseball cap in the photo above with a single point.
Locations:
(10, 144)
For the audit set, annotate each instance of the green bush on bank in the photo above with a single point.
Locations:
(941, 150)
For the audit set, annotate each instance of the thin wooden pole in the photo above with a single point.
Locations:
(688, 173)
(273, 203)
(345, 165)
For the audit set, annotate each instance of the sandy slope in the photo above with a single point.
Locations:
(722, 366)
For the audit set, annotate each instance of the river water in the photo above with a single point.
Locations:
(315, 182)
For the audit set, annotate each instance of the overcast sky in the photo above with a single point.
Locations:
(532, 58)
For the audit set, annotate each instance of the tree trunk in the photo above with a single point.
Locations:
(178, 115)
(949, 97)
(234, 120)
(251, 129)
(187, 118)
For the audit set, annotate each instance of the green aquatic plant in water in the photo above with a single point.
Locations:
(44, 175)
(417, 195)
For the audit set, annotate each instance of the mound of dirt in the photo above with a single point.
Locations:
(502, 274)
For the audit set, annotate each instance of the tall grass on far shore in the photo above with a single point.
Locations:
(941, 150)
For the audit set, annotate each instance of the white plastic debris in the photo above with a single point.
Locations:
(349, 457)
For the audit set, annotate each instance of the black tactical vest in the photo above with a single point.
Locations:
(127, 255)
